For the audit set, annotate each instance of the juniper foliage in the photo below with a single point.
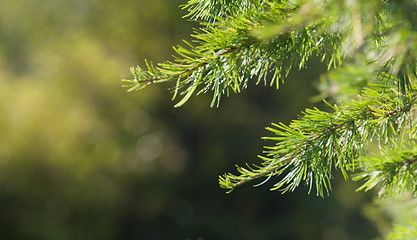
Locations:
(370, 47)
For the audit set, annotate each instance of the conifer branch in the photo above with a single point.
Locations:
(264, 39)
(310, 147)
(393, 171)
(374, 90)
(229, 53)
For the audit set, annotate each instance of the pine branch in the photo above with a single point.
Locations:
(229, 53)
(309, 148)
(394, 171)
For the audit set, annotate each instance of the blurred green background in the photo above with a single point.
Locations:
(80, 158)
